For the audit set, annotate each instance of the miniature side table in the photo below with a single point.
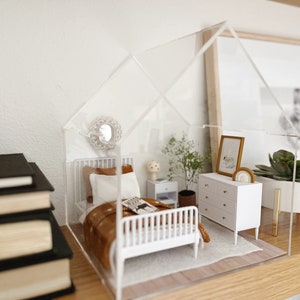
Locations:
(164, 191)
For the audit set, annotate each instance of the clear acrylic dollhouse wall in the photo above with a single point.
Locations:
(259, 103)
(256, 98)
(161, 92)
(152, 96)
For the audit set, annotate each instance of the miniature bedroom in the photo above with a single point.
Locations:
(169, 132)
(118, 169)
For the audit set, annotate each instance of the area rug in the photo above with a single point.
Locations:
(151, 266)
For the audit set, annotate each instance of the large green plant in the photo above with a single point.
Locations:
(281, 167)
(184, 160)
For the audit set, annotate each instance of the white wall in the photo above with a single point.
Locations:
(55, 54)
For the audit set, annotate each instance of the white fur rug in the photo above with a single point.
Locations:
(166, 262)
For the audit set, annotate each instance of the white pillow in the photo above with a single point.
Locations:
(105, 187)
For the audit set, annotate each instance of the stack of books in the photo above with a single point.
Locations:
(34, 254)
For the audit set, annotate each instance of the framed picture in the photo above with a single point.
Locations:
(230, 154)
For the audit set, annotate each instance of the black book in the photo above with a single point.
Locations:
(15, 171)
(26, 233)
(27, 198)
(38, 275)
(55, 294)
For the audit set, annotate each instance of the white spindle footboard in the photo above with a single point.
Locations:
(148, 233)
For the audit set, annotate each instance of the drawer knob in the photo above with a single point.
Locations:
(206, 184)
(225, 192)
(206, 209)
(224, 204)
(223, 218)
(206, 197)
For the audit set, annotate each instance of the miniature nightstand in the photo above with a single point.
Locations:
(164, 191)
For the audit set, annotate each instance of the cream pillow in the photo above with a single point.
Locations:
(104, 188)
(87, 170)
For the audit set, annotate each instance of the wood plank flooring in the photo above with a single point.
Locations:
(277, 279)
(190, 277)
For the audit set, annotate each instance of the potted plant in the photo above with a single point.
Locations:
(187, 163)
(281, 167)
(277, 180)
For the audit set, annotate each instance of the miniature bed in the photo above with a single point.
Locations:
(95, 194)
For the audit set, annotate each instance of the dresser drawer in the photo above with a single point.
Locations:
(207, 185)
(222, 203)
(220, 216)
(166, 187)
(226, 190)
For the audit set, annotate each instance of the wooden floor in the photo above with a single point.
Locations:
(277, 279)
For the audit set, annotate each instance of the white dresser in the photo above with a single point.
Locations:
(235, 205)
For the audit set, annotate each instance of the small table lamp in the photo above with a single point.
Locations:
(153, 167)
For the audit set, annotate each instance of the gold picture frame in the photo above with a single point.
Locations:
(229, 154)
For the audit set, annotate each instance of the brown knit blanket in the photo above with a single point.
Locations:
(100, 228)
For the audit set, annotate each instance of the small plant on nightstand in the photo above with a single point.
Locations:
(187, 163)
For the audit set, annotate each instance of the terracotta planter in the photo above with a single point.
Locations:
(187, 198)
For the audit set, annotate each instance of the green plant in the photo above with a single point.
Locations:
(184, 160)
(281, 167)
